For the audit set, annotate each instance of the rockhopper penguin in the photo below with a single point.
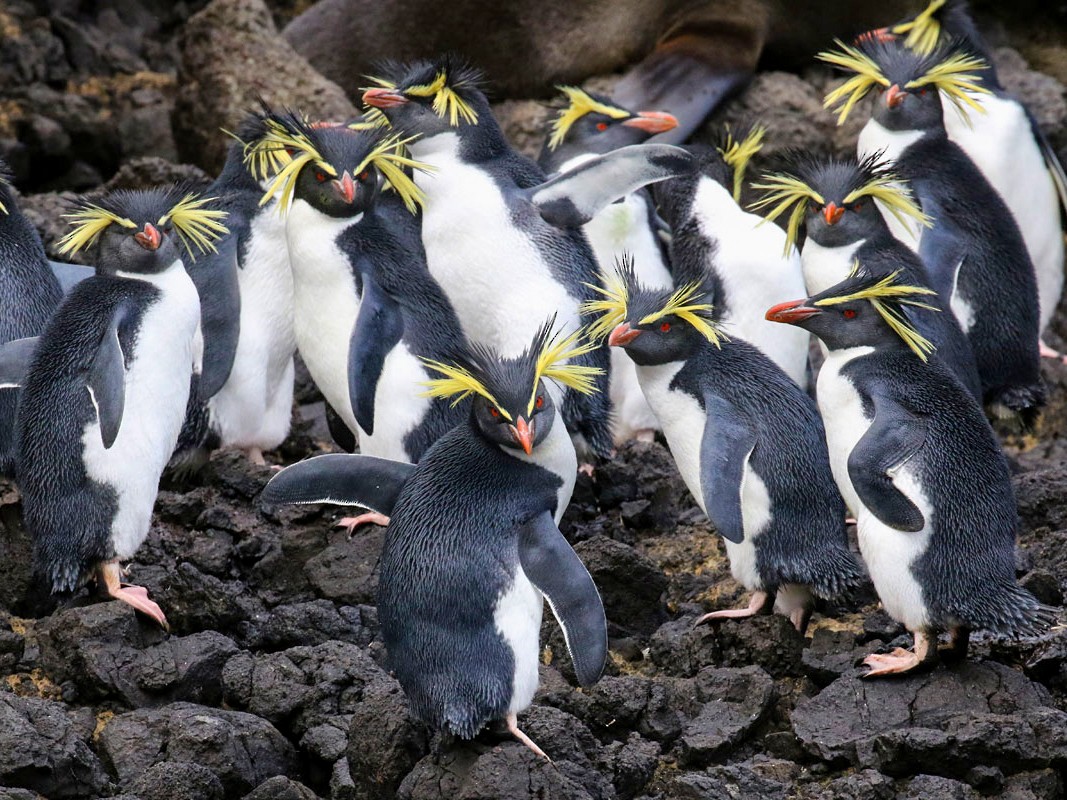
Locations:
(747, 441)
(919, 465)
(473, 546)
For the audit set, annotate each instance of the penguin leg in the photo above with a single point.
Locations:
(956, 649)
(513, 726)
(645, 435)
(370, 518)
(255, 455)
(800, 617)
(901, 661)
(110, 577)
(757, 605)
(1050, 352)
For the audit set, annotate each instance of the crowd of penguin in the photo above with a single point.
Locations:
(481, 325)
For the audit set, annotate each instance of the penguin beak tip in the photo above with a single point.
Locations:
(384, 98)
(150, 238)
(622, 335)
(791, 312)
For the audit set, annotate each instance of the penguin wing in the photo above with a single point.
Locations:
(555, 569)
(339, 432)
(571, 199)
(1052, 161)
(70, 275)
(215, 276)
(894, 437)
(724, 451)
(377, 331)
(942, 252)
(15, 358)
(340, 479)
(106, 380)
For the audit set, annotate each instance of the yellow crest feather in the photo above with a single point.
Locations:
(552, 364)
(579, 103)
(445, 100)
(611, 307)
(891, 192)
(924, 31)
(785, 191)
(89, 221)
(457, 382)
(683, 305)
(868, 75)
(196, 225)
(738, 154)
(954, 77)
(390, 156)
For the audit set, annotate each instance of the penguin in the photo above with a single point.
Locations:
(328, 192)
(747, 440)
(1006, 144)
(919, 464)
(30, 293)
(473, 546)
(484, 200)
(834, 202)
(590, 124)
(974, 253)
(745, 263)
(105, 393)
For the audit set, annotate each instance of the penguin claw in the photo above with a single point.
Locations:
(137, 596)
(896, 663)
(370, 518)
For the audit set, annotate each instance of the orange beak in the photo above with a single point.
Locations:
(346, 187)
(832, 213)
(622, 335)
(878, 34)
(791, 312)
(523, 434)
(894, 96)
(150, 238)
(384, 98)
(652, 122)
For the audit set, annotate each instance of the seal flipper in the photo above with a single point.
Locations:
(106, 380)
(215, 276)
(554, 568)
(893, 438)
(70, 275)
(724, 451)
(572, 198)
(15, 358)
(377, 331)
(340, 479)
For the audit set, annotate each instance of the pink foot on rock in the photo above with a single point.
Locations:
(370, 518)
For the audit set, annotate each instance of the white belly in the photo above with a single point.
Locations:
(842, 412)
(874, 138)
(254, 407)
(156, 393)
(326, 303)
(518, 621)
(398, 406)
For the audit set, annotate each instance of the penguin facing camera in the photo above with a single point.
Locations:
(748, 443)
(472, 547)
(919, 465)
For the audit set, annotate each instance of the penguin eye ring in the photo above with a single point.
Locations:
(849, 313)
(493, 412)
(666, 326)
(540, 402)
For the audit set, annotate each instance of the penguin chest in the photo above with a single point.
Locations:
(622, 228)
(156, 388)
(826, 266)
(517, 617)
(874, 138)
(843, 415)
(326, 302)
(398, 405)
(483, 255)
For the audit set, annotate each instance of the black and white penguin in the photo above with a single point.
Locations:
(974, 253)
(747, 441)
(327, 189)
(745, 263)
(835, 202)
(1004, 141)
(105, 393)
(588, 125)
(30, 293)
(524, 259)
(919, 465)
(473, 547)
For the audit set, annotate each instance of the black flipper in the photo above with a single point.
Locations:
(943, 253)
(724, 451)
(377, 331)
(893, 438)
(1052, 161)
(15, 358)
(572, 198)
(554, 568)
(70, 275)
(341, 479)
(215, 276)
(106, 381)
(342, 436)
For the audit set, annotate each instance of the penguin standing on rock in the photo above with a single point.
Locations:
(920, 466)
(502, 243)
(105, 393)
(833, 200)
(748, 443)
(974, 254)
(472, 547)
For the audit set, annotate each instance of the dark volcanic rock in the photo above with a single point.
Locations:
(280, 788)
(867, 784)
(348, 570)
(177, 780)
(630, 585)
(769, 641)
(384, 741)
(933, 787)
(242, 750)
(736, 700)
(310, 623)
(44, 748)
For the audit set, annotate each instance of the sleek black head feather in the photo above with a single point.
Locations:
(449, 86)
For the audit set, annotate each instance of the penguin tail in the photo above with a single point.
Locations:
(1023, 403)
(1014, 612)
(839, 573)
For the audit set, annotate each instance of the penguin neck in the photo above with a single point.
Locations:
(235, 175)
(714, 204)
(164, 278)
(892, 144)
(470, 143)
(827, 265)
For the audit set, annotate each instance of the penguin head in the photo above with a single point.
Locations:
(338, 169)
(833, 199)
(593, 124)
(511, 405)
(653, 326)
(863, 310)
(910, 86)
(939, 22)
(428, 97)
(145, 231)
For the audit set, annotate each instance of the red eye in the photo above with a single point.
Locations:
(363, 175)
(320, 176)
(849, 313)
(857, 207)
(922, 91)
(493, 412)
(666, 326)
(602, 126)
(540, 402)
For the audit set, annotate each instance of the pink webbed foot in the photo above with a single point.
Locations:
(513, 726)
(370, 518)
(756, 605)
(901, 661)
(110, 577)
(1049, 352)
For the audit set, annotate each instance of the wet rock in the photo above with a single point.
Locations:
(384, 741)
(347, 571)
(177, 781)
(196, 601)
(280, 788)
(644, 472)
(242, 750)
(630, 585)
(231, 55)
(736, 700)
(44, 748)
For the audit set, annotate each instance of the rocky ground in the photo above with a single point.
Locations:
(272, 681)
